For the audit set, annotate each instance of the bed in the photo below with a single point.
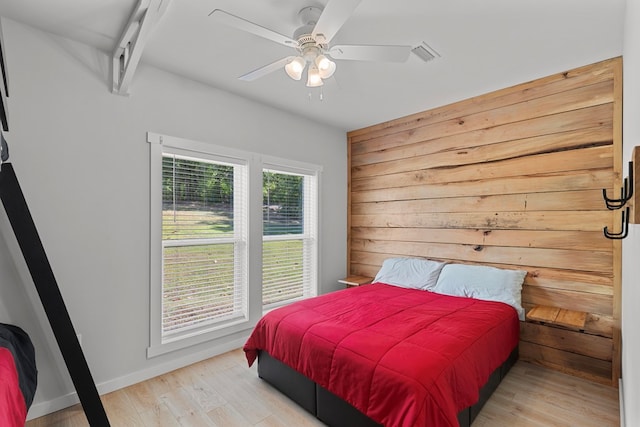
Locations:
(18, 373)
(424, 352)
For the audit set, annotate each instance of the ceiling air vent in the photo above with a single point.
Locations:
(425, 52)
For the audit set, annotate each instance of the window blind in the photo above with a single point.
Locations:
(289, 236)
(203, 242)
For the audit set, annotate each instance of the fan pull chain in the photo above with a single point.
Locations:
(320, 97)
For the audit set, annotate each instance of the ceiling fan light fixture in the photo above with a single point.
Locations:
(295, 68)
(322, 62)
(313, 77)
(312, 43)
(326, 67)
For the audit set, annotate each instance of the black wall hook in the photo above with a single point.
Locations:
(626, 192)
(624, 227)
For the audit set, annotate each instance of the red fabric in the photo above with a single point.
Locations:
(13, 409)
(403, 357)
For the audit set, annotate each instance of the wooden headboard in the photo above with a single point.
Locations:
(512, 179)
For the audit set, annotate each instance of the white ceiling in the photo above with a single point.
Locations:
(484, 46)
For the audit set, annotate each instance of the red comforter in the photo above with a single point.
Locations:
(403, 357)
(13, 410)
(18, 375)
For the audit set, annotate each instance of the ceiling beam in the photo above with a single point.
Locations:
(126, 56)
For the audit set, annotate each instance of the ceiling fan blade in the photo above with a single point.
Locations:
(371, 53)
(334, 15)
(263, 71)
(234, 21)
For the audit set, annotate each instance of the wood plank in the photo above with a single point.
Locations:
(567, 285)
(416, 160)
(364, 269)
(226, 383)
(580, 200)
(368, 263)
(572, 319)
(577, 221)
(575, 240)
(415, 144)
(461, 155)
(350, 204)
(457, 112)
(356, 280)
(143, 397)
(575, 364)
(589, 180)
(593, 284)
(550, 258)
(595, 324)
(582, 98)
(571, 300)
(543, 313)
(190, 379)
(616, 371)
(599, 324)
(564, 161)
(590, 282)
(122, 410)
(526, 389)
(69, 417)
(566, 340)
(556, 83)
(555, 316)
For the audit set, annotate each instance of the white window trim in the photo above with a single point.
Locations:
(312, 171)
(255, 164)
(159, 144)
(190, 150)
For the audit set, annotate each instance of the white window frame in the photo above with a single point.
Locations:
(239, 241)
(159, 344)
(255, 163)
(311, 221)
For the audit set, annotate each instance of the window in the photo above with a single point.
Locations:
(289, 236)
(209, 276)
(203, 243)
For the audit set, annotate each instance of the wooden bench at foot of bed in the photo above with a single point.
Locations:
(335, 412)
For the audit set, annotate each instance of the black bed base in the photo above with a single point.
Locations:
(335, 412)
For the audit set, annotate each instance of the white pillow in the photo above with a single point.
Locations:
(482, 282)
(409, 272)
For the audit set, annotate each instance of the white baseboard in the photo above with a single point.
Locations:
(43, 408)
(621, 398)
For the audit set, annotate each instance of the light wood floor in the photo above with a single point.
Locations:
(223, 392)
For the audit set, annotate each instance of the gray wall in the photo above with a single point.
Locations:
(631, 245)
(82, 158)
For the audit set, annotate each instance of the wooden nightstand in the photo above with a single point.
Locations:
(355, 280)
(554, 316)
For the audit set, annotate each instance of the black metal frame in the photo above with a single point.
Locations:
(624, 228)
(36, 258)
(626, 192)
(335, 412)
(4, 86)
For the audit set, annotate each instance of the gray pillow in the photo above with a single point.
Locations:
(414, 273)
(482, 282)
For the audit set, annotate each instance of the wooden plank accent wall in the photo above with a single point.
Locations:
(511, 179)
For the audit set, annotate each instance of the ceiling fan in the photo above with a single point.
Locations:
(312, 42)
